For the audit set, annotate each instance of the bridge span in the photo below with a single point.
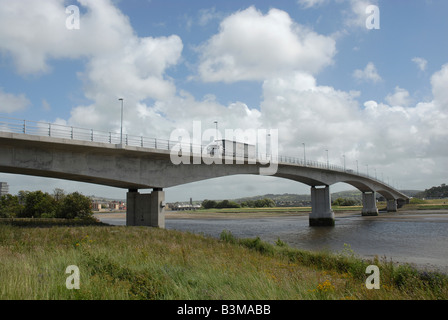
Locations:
(135, 163)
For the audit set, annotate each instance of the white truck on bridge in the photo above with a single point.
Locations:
(231, 148)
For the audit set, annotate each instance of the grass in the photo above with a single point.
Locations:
(149, 263)
(433, 204)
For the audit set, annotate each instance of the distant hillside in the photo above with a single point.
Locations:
(411, 193)
(301, 197)
(278, 197)
(434, 192)
(282, 200)
(299, 200)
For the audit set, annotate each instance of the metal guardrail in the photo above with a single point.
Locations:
(37, 128)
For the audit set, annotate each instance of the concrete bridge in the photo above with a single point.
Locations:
(135, 163)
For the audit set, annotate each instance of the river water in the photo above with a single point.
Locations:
(408, 237)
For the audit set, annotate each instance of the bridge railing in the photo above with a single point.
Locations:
(55, 130)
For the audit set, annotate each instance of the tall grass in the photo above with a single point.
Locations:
(411, 282)
(149, 263)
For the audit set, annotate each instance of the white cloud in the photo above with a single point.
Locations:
(420, 62)
(207, 15)
(414, 132)
(253, 46)
(33, 32)
(369, 74)
(439, 82)
(10, 103)
(311, 3)
(118, 62)
(399, 98)
(395, 139)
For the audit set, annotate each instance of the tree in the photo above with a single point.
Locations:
(227, 204)
(434, 192)
(75, 205)
(22, 196)
(248, 203)
(10, 206)
(37, 204)
(209, 204)
(344, 202)
(58, 194)
(260, 203)
(264, 203)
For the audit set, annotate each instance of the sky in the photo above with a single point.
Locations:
(368, 84)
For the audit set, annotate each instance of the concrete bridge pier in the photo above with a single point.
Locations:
(145, 209)
(369, 207)
(392, 205)
(321, 213)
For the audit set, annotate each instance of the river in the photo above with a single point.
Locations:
(420, 239)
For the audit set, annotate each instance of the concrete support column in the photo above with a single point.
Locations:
(158, 208)
(369, 204)
(321, 213)
(145, 209)
(392, 205)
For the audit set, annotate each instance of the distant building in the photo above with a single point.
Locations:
(108, 205)
(96, 206)
(4, 188)
(183, 206)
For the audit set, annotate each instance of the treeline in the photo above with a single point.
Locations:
(261, 203)
(434, 192)
(345, 202)
(37, 204)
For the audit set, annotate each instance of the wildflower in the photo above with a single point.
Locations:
(325, 286)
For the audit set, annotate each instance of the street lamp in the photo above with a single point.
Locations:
(304, 153)
(121, 127)
(357, 167)
(268, 151)
(216, 134)
(328, 161)
(344, 161)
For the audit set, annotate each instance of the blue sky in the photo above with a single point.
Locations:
(309, 68)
